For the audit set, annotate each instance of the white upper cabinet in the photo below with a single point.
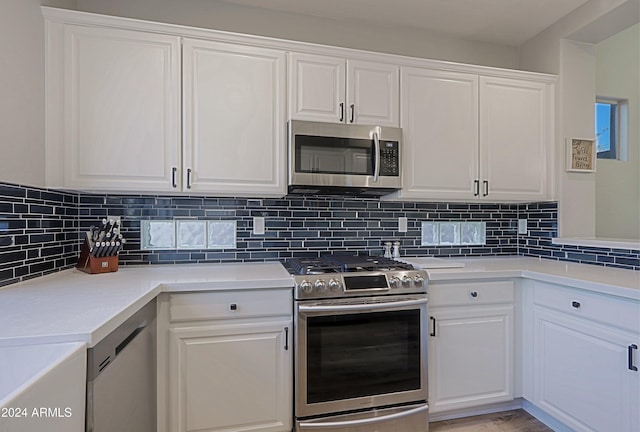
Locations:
(127, 95)
(317, 88)
(119, 125)
(136, 106)
(470, 137)
(234, 119)
(440, 130)
(335, 90)
(514, 139)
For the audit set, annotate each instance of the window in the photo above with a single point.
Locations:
(611, 123)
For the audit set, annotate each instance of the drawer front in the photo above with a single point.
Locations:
(230, 304)
(591, 306)
(471, 293)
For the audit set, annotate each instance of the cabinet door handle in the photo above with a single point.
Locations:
(575, 304)
(485, 185)
(474, 294)
(188, 178)
(353, 112)
(286, 338)
(233, 307)
(630, 350)
(433, 326)
(476, 187)
(174, 182)
(341, 111)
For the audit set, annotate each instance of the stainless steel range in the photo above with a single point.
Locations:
(361, 346)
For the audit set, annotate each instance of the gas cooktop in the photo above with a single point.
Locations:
(337, 263)
(343, 275)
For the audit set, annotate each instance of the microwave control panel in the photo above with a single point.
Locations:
(389, 158)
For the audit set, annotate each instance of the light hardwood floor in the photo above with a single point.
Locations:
(508, 421)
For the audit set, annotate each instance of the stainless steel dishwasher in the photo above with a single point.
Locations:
(121, 377)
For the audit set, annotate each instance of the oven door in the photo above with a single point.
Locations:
(359, 353)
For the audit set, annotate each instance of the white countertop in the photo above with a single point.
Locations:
(72, 306)
(606, 280)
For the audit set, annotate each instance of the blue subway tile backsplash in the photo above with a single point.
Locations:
(41, 230)
(38, 232)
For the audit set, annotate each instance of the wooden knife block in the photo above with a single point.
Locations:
(94, 265)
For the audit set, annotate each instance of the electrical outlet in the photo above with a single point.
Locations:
(258, 225)
(522, 226)
(402, 224)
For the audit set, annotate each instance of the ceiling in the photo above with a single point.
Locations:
(503, 22)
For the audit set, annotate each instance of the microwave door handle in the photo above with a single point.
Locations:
(375, 135)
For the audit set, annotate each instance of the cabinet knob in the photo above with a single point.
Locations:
(575, 304)
(474, 294)
(233, 307)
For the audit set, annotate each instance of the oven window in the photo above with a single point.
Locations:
(365, 354)
(325, 155)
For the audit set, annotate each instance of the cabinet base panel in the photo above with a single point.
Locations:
(484, 409)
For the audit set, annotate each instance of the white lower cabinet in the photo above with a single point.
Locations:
(470, 344)
(585, 359)
(225, 361)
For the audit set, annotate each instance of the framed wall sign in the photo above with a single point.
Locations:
(581, 155)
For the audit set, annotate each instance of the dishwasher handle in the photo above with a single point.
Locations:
(129, 338)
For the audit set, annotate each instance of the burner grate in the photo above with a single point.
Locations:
(350, 263)
(308, 266)
(336, 263)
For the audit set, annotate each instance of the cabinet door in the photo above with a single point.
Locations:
(581, 374)
(234, 124)
(373, 93)
(440, 128)
(470, 357)
(514, 137)
(230, 377)
(121, 110)
(317, 88)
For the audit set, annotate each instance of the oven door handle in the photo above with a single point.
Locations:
(360, 422)
(336, 307)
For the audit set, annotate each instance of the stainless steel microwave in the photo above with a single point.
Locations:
(327, 158)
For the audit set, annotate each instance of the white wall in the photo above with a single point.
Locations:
(618, 181)
(567, 48)
(22, 82)
(228, 17)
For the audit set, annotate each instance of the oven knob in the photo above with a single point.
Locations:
(406, 282)
(321, 285)
(306, 286)
(334, 285)
(418, 281)
(394, 282)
